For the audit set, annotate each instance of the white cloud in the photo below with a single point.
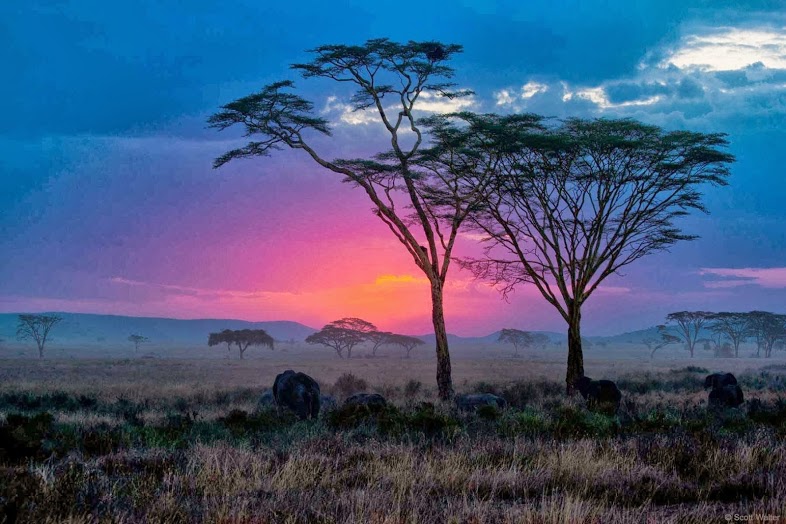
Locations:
(504, 97)
(599, 97)
(729, 49)
(531, 89)
(432, 103)
(427, 102)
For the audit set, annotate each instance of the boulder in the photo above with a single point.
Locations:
(297, 392)
(473, 402)
(327, 403)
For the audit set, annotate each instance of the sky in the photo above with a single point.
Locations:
(109, 204)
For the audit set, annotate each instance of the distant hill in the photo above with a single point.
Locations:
(113, 330)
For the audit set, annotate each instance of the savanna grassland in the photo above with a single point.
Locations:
(177, 440)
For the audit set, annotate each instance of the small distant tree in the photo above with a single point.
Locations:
(767, 329)
(378, 339)
(136, 340)
(406, 342)
(519, 339)
(242, 338)
(36, 327)
(339, 338)
(734, 326)
(663, 339)
(688, 325)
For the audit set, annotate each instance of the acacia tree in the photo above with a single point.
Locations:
(733, 326)
(224, 337)
(516, 337)
(576, 202)
(663, 339)
(36, 327)
(688, 325)
(389, 79)
(767, 328)
(136, 340)
(242, 338)
(339, 338)
(406, 342)
(378, 339)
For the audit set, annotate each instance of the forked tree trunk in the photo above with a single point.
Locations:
(444, 379)
(575, 354)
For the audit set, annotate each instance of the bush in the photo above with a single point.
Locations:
(691, 369)
(23, 437)
(56, 400)
(528, 422)
(412, 388)
(573, 422)
(348, 384)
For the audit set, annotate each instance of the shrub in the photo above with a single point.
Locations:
(691, 369)
(348, 384)
(573, 422)
(412, 388)
(23, 437)
(528, 422)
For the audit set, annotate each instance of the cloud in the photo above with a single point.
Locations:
(707, 75)
(772, 278)
(530, 89)
(729, 49)
(427, 102)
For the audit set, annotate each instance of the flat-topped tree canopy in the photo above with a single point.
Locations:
(242, 338)
(574, 201)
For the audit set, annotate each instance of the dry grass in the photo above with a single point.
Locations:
(154, 441)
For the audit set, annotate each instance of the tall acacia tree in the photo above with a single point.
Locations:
(576, 202)
(389, 80)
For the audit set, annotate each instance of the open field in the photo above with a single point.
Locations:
(183, 440)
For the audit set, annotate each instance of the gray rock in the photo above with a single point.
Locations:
(474, 401)
(602, 395)
(719, 380)
(297, 392)
(327, 403)
(729, 396)
(267, 400)
(366, 399)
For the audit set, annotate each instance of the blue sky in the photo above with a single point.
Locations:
(108, 202)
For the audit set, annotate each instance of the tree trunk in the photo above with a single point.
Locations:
(575, 355)
(349, 352)
(444, 379)
(40, 351)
